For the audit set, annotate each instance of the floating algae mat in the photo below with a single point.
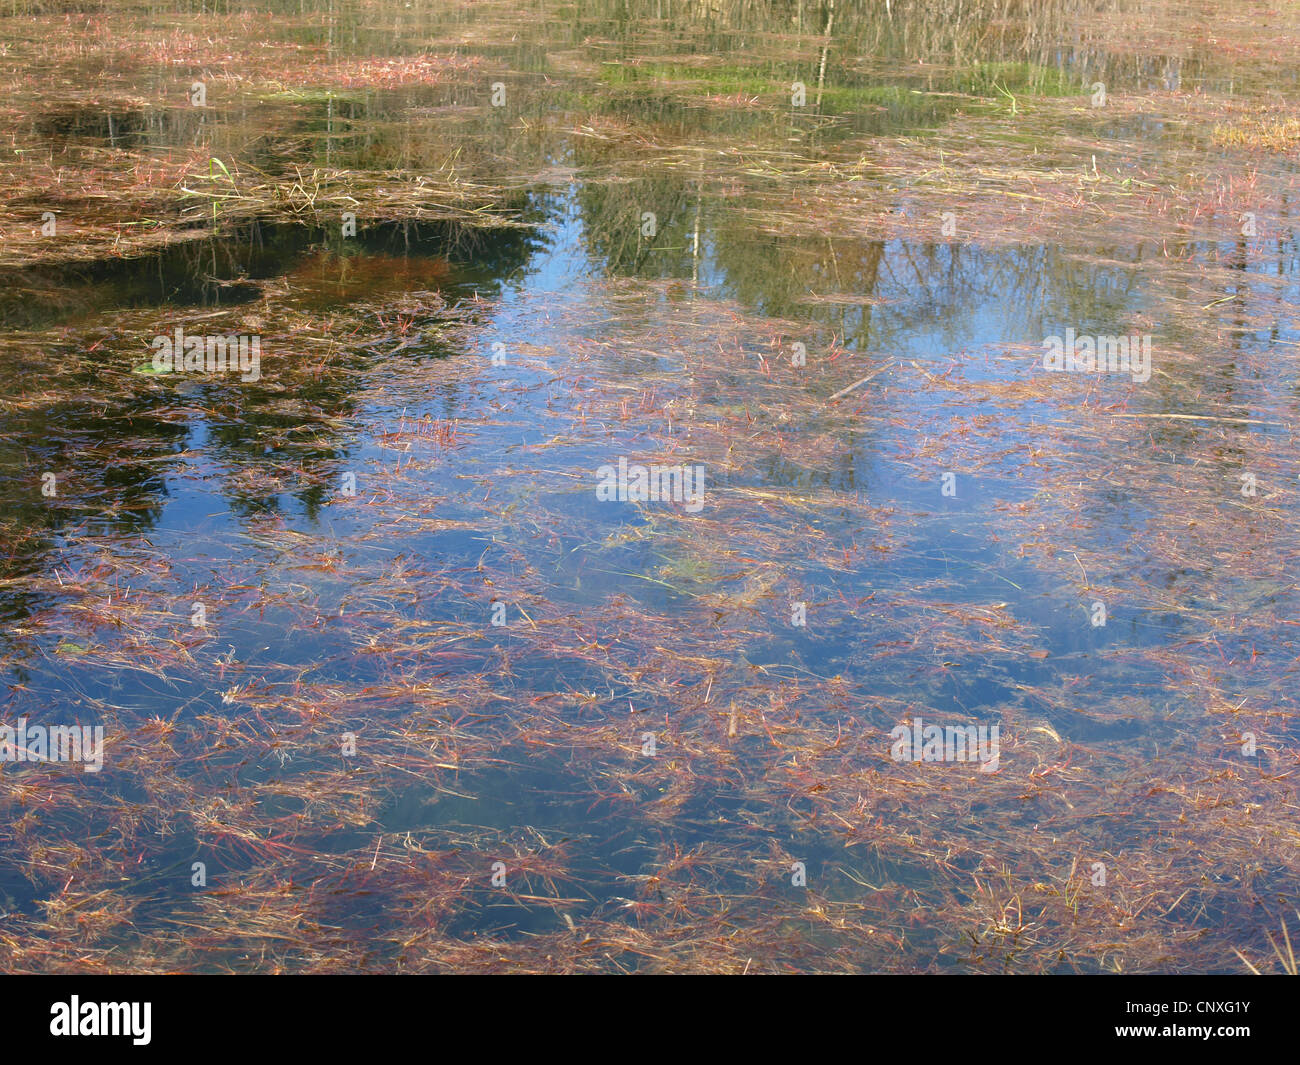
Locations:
(649, 486)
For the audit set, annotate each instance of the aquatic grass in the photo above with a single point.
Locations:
(1271, 131)
(1286, 961)
(371, 614)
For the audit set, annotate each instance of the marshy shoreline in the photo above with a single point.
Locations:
(403, 667)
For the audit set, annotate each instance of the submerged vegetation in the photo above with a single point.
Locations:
(386, 685)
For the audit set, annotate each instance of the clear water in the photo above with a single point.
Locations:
(371, 614)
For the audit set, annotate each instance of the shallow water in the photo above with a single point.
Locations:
(369, 614)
